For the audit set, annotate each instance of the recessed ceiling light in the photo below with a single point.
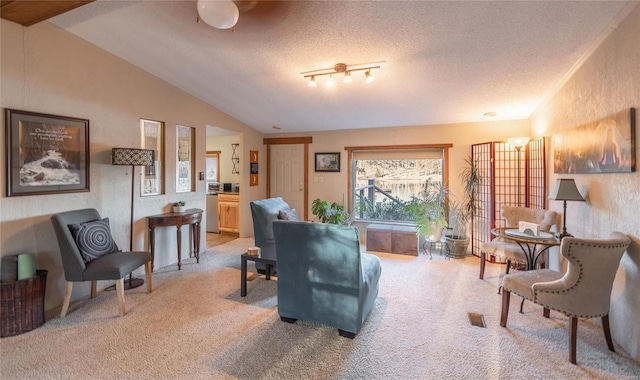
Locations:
(276, 128)
(490, 114)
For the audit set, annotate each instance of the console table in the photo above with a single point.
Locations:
(191, 217)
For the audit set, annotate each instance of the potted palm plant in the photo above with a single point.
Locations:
(461, 211)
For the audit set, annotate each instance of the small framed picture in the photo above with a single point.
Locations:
(46, 154)
(327, 162)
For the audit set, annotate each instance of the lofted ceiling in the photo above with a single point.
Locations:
(444, 61)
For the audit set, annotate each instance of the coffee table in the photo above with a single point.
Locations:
(269, 259)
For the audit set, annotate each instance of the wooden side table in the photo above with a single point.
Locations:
(191, 217)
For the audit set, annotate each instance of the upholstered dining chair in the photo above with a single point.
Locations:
(90, 254)
(583, 291)
(511, 252)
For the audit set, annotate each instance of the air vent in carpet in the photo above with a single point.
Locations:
(476, 320)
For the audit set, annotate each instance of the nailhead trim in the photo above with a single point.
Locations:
(569, 255)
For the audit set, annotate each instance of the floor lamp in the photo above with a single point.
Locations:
(132, 157)
(565, 190)
(517, 143)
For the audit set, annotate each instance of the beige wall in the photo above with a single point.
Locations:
(334, 185)
(45, 69)
(223, 144)
(608, 82)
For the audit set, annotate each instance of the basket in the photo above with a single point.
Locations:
(22, 304)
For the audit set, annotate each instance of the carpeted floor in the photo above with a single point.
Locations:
(195, 325)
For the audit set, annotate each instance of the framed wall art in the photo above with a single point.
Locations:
(603, 146)
(327, 162)
(153, 139)
(253, 168)
(185, 161)
(46, 154)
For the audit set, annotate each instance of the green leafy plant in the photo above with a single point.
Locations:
(428, 209)
(326, 212)
(461, 211)
(180, 204)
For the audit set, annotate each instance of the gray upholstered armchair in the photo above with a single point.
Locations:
(507, 250)
(584, 291)
(263, 213)
(323, 276)
(89, 254)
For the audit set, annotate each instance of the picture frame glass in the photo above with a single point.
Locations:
(46, 154)
(153, 139)
(327, 162)
(184, 162)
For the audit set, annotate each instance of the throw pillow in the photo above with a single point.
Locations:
(288, 214)
(93, 239)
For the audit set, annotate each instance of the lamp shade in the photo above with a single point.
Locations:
(566, 190)
(131, 156)
(220, 14)
(518, 142)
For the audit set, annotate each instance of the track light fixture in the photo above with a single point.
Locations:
(369, 77)
(340, 68)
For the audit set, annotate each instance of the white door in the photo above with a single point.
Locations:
(287, 174)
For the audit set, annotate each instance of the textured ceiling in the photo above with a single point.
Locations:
(445, 62)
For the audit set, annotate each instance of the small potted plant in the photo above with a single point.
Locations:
(179, 206)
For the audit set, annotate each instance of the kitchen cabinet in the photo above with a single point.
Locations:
(228, 212)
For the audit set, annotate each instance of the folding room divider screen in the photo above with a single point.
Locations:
(498, 165)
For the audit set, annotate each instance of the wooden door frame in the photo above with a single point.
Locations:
(290, 140)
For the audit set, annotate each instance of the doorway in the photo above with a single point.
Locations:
(287, 171)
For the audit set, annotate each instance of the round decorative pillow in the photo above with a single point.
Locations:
(93, 239)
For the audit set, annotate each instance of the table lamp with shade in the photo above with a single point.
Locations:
(565, 190)
(133, 157)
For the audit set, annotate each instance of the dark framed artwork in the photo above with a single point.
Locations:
(603, 146)
(253, 168)
(328, 162)
(46, 154)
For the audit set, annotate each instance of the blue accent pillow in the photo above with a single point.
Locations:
(93, 239)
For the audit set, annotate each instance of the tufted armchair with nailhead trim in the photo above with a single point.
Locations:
(584, 291)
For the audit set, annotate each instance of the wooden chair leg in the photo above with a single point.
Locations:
(607, 332)
(482, 264)
(573, 333)
(94, 285)
(120, 293)
(149, 280)
(546, 312)
(508, 267)
(506, 295)
(67, 298)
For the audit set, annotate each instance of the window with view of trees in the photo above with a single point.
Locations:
(385, 181)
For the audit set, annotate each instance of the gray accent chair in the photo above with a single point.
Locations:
(322, 275)
(584, 291)
(113, 266)
(263, 213)
(505, 249)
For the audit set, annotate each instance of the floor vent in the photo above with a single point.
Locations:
(476, 320)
